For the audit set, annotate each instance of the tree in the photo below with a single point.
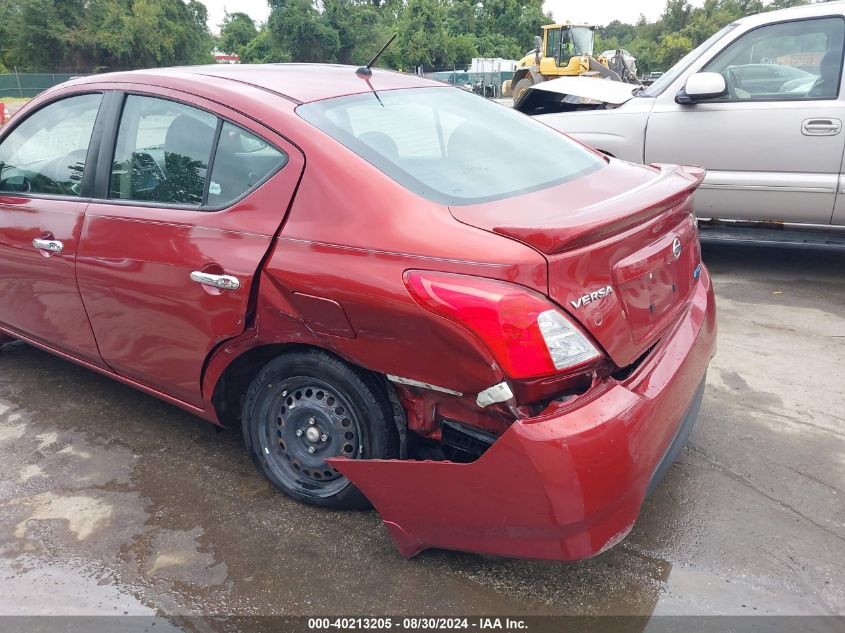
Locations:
(83, 35)
(264, 49)
(658, 45)
(302, 31)
(359, 26)
(236, 32)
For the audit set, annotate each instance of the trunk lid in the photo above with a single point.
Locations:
(621, 246)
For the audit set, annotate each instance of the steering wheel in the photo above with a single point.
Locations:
(63, 175)
(13, 180)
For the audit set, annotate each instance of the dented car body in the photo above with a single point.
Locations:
(534, 331)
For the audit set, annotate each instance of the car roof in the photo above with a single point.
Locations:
(794, 13)
(298, 82)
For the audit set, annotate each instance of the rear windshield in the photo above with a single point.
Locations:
(451, 146)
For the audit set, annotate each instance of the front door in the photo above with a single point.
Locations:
(168, 258)
(772, 149)
(44, 173)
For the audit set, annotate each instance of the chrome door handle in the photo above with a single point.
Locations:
(224, 282)
(51, 246)
(821, 127)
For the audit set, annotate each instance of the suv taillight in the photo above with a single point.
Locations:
(527, 334)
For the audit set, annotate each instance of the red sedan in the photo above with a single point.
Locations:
(403, 293)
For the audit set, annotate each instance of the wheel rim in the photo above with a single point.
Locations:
(310, 421)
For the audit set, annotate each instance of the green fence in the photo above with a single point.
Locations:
(28, 84)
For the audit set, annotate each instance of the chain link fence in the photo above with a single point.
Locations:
(28, 85)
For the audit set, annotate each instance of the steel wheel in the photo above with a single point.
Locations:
(313, 422)
(305, 407)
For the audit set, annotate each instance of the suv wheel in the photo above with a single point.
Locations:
(305, 407)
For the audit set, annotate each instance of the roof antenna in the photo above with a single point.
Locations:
(365, 71)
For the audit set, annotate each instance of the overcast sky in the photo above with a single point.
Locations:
(598, 12)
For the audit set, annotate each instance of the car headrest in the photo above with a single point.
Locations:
(826, 84)
(471, 140)
(829, 67)
(189, 137)
(382, 143)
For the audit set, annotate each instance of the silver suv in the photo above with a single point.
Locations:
(759, 105)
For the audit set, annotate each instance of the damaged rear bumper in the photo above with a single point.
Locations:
(561, 486)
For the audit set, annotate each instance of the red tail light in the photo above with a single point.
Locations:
(527, 334)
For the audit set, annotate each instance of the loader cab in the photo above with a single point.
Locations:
(562, 42)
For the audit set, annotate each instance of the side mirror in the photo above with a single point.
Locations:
(701, 86)
(538, 42)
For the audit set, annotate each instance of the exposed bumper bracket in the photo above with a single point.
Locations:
(497, 393)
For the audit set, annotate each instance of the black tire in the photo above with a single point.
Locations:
(299, 392)
(521, 86)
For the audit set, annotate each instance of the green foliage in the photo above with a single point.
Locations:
(432, 33)
(263, 49)
(236, 32)
(302, 31)
(83, 35)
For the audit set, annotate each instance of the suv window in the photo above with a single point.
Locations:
(784, 61)
(46, 153)
(162, 152)
(242, 161)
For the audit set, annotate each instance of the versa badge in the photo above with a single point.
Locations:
(592, 296)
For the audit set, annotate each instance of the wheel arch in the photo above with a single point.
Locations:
(230, 388)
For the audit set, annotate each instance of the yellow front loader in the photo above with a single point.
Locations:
(565, 50)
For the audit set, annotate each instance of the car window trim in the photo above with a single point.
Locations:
(101, 192)
(214, 149)
(718, 100)
(107, 140)
(87, 185)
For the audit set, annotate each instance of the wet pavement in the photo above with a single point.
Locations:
(112, 502)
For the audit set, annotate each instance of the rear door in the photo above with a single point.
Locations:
(46, 173)
(772, 149)
(192, 196)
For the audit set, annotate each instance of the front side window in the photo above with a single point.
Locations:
(450, 146)
(785, 61)
(162, 152)
(46, 153)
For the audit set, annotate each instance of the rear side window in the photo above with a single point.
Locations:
(164, 150)
(241, 162)
(46, 153)
(450, 146)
